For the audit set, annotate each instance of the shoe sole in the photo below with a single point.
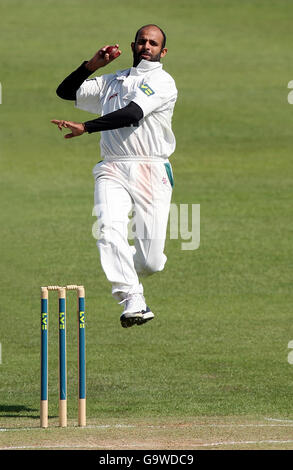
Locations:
(131, 319)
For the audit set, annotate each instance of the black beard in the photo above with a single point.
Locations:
(137, 58)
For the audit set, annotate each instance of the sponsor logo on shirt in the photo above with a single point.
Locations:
(145, 88)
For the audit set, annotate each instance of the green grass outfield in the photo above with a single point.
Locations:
(218, 346)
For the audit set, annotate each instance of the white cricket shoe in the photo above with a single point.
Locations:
(136, 312)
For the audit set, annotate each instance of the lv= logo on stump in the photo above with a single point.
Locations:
(62, 354)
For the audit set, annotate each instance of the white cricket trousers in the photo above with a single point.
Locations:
(143, 189)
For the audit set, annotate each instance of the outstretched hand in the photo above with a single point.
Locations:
(76, 128)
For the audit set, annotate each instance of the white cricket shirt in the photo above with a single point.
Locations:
(149, 86)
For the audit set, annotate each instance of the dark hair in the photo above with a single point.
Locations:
(148, 25)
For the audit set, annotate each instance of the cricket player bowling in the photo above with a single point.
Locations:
(135, 106)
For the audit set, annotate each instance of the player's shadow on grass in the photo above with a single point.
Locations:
(12, 411)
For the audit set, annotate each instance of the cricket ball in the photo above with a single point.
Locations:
(112, 51)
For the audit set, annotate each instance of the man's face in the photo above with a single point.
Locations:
(148, 46)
